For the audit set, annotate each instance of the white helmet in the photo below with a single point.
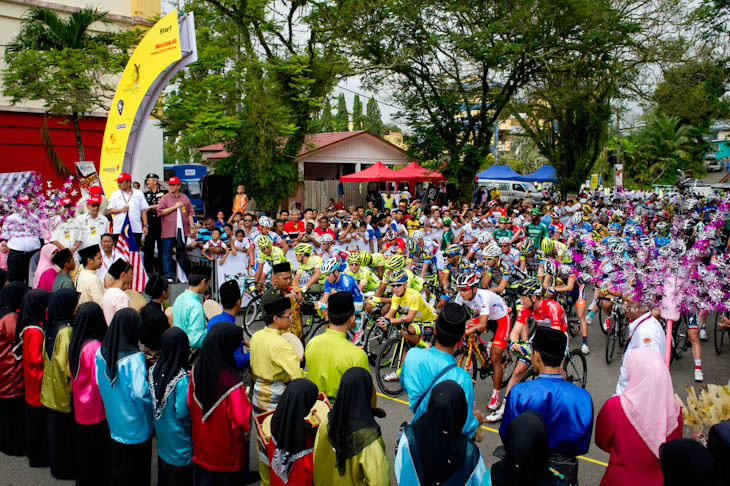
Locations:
(265, 222)
(504, 241)
(329, 266)
(577, 218)
(326, 238)
(418, 234)
(483, 238)
(492, 251)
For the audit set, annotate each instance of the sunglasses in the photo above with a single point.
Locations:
(290, 317)
(488, 259)
(248, 220)
(397, 285)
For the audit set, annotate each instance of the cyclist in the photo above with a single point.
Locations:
(327, 247)
(264, 229)
(366, 280)
(545, 312)
(414, 313)
(309, 268)
(530, 257)
(454, 267)
(336, 281)
(421, 253)
(374, 261)
(510, 256)
(535, 229)
(564, 278)
(504, 230)
(476, 252)
(394, 245)
(556, 227)
(491, 314)
(494, 270)
(268, 255)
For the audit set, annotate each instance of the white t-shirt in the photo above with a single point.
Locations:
(136, 202)
(114, 299)
(106, 262)
(644, 332)
(485, 303)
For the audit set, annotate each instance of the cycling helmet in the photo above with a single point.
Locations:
(411, 245)
(504, 219)
(504, 241)
(329, 266)
(264, 241)
(529, 286)
(395, 262)
(546, 220)
(662, 241)
(492, 251)
(467, 280)
(631, 230)
(699, 227)
(550, 267)
(665, 251)
(366, 258)
(418, 234)
(390, 235)
(398, 276)
(617, 247)
(483, 239)
(662, 227)
(492, 203)
(577, 218)
(615, 226)
(265, 221)
(586, 209)
(452, 250)
(447, 221)
(608, 268)
(564, 269)
(326, 238)
(526, 246)
(547, 246)
(536, 211)
(303, 249)
(353, 257)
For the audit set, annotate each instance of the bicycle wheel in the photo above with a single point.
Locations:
(719, 335)
(251, 314)
(461, 360)
(530, 374)
(508, 367)
(679, 337)
(375, 336)
(601, 318)
(387, 362)
(576, 368)
(623, 331)
(611, 339)
(573, 326)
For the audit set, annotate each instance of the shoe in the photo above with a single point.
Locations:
(357, 337)
(392, 376)
(585, 349)
(494, 403)
(497, 415)
(703, 334)
(699, 376)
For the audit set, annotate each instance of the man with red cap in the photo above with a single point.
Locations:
(65, 230)
(167, 209)
(127, 201)
(81, 205)
(92, 223)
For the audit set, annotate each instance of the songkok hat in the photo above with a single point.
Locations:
(282, 267)
(452, 320)
(549, 341)
(229, 291)
(116, 268)
(89, 252)
(341, 304)
(202, 270)
(278, 306)
(156, 285)
(61, 257)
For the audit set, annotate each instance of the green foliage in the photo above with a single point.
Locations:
(357, 116)
(524, 156)
(342, 118)
(326, 122)
(373, 121)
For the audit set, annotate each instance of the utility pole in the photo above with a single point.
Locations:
(618, 139)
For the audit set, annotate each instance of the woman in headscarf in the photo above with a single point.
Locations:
(169, 380)
(122, 379)
(12, 410)
(526, 454)
(92, 431)
(290, 449)
(349, 449)
(686, 461)
(630, 430)
(45, 272)
(29, 343)
(56, 384)
(433, 450)
(220, 410)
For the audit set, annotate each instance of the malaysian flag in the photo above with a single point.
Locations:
(129, 252)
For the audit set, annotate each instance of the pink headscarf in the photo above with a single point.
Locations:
(44, 262)
(648, 400)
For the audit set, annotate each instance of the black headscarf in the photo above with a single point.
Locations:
(89, 324)
(292, 436)
(121, 339)
(526, 452)
(215, 374)
(32, 312)
(3, 278)
(170, 368)
(686, 461)
(352, 426)
(11, 298)
(437, 446)
(60, 314)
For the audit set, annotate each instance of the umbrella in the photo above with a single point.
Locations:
(414, 172)
(375, 173)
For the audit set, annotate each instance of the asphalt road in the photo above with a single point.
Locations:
(601, 384)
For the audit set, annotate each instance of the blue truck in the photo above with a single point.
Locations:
(191, 176)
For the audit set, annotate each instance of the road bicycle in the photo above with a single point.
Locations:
(390, 359)
(251, 303)
(617, 332)
(720, 334)
(575, 367)
(570, 314)
(472, 355)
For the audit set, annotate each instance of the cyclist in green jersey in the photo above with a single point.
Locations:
(366, 280)
(311, 265)
(536, 230)
(503, 230)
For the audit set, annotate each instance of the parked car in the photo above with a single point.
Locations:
(714, 166)
(512, 190)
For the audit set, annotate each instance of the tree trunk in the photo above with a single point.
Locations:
(77, 129)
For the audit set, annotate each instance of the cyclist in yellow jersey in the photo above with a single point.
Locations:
(364, 277)
(311, 265)
(268, 253)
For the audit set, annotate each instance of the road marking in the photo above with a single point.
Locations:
(587, 459)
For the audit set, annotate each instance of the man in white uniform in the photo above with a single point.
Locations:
(645, 331)
(92, 223)
(130, 201)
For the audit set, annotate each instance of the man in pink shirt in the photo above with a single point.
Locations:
(167, 209)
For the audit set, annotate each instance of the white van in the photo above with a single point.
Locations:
(512, 190)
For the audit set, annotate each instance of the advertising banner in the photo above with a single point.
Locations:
(87, 176)
(618, 175)
(594, 181)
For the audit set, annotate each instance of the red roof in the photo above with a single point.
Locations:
(312, 143)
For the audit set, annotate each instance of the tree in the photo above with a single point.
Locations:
(342, 118)
(326, 123)
(373, 121)
(454, 66)
(357, 116)
(61, 63)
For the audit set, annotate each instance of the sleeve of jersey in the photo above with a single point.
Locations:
(555, 314)
(356, 294)
(523, 314)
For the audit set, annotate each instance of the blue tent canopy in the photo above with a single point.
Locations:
(500, 172)
(546, 173)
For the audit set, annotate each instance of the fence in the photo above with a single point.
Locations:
(318, 193)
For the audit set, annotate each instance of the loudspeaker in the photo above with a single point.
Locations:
(218, 194)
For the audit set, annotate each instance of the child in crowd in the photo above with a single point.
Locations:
(215, 248)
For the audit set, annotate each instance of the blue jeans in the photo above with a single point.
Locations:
(168, 268)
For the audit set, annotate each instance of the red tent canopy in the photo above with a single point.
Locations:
(375, 173)
(414, 172)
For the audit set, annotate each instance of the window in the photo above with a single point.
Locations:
(518, 188)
